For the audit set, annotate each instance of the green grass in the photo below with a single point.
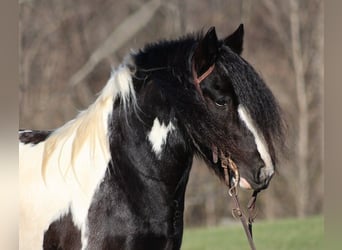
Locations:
(287, 234)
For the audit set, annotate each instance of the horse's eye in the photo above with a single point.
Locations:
(221, 102)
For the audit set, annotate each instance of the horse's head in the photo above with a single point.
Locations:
(218, 101)
(245, 119)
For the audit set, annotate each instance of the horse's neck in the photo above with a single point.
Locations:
(154, 156)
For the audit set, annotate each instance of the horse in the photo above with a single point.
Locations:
(115, 176)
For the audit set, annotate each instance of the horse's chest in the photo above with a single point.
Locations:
(62, 234)
(120, 221)
(114, 228)
(133, 242)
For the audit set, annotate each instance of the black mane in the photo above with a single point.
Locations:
(167, 66)
(252, 92)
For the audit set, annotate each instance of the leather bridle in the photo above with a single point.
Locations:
(232, 180)
(228, 166)
(199, 79)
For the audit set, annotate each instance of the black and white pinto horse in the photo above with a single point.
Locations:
(116, 175)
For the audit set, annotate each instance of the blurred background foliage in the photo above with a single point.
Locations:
(68, 48)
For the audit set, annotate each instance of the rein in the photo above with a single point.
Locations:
(229, 165)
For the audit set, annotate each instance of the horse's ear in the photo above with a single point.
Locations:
(206, 52)
(235, 40)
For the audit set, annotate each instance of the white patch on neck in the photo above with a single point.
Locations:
(259, 139)
(74, 158)
(158, 135)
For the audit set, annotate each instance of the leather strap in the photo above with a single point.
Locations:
(228, 164)
(199, 79)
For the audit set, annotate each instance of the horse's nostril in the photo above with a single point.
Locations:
(265, 175)
(261, 175)
(261, 163)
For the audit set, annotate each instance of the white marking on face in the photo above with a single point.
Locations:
(259, 139)
(158, 135)
(74, 158)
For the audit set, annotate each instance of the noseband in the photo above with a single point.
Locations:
(231, 180)
(228, 166)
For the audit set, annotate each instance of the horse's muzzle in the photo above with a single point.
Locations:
(264, 178)
(260, 182)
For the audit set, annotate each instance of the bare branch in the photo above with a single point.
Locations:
(278, 26)
(125, 31)
(26, 1)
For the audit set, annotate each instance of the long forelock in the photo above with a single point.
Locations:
(205, 128)
(91, 125)
(256, 97)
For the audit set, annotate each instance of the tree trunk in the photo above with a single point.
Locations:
(302, 194)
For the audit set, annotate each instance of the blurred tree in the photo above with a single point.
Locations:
(299, 28)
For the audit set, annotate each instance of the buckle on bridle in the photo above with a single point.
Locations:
(232, 182)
